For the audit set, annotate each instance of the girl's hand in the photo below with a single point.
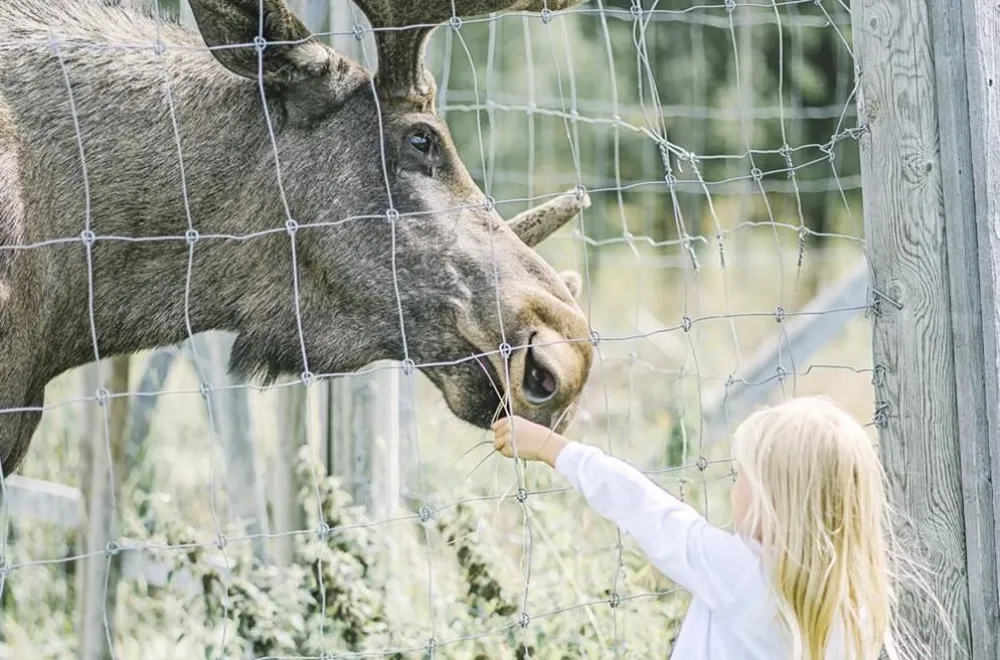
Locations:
(534, 441)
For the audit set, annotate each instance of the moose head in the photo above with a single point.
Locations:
(272, 188)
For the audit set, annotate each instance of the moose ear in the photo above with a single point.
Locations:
(233, 28)
(573, 282)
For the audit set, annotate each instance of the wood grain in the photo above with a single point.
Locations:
(99, 574)
(974, 317)
(981, 29)
(923, 220)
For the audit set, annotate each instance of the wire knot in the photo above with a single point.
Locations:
(103, 396)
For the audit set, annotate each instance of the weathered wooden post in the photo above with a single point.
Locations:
(929, 109)
(100, 572)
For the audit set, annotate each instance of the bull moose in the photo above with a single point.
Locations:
(266, 185)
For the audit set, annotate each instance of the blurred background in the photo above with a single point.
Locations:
(723, 267)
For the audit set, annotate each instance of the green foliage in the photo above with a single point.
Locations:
(332, 598)
(325, 601)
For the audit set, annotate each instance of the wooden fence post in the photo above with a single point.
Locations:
(233, 422)
(365, 448)
(930, 152)
(100, 574)
(302, 411)
(365, 409)
(286, 514)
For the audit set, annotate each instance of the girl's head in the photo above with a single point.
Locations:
(810, 489)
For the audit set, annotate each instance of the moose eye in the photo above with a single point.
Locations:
(421, 141)
(422, 149)
(424, 141)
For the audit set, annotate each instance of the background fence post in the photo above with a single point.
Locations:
(930, 191)
(286, 514)
(296, 403)
(355, 419)
(365, 408)
(100, 574)
(233, 423)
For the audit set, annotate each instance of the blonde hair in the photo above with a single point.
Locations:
(819, 508)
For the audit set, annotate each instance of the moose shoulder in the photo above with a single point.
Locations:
(266, 185)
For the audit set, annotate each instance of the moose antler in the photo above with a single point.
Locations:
(401, 31)
(538, 223)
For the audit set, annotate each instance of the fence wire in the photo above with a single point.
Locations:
(717, 143)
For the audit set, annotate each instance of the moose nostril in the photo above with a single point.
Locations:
(539, 383)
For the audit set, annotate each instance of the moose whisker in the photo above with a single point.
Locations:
(502, 405)
(554, 425)
(479, 465)
(481, 443)
(502, 397)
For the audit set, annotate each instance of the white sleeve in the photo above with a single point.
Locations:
(717, 567)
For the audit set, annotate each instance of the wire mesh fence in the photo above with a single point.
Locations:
(721, 260)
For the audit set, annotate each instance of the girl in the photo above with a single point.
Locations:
(807, 574)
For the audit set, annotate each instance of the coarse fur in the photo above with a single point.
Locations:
(170, 147)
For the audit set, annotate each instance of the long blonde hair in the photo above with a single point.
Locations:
(819, 508)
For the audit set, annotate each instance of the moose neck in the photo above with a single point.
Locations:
(126, 160)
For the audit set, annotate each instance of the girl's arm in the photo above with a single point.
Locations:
(717, 567)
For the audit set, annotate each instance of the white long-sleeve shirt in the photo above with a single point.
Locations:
(732, 615)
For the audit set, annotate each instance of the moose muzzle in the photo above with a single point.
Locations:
(544, 376)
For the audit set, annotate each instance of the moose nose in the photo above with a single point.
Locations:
(547, 376)
(540, 382)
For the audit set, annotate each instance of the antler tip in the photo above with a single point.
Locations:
(576, 198)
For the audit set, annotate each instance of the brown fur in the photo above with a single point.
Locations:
(446, 253)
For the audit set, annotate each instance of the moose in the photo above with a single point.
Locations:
(152, 187)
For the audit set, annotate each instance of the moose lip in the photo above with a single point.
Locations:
(539, 384)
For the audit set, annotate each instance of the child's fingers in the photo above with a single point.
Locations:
(504, 447)
(502, 423)
(501, 438)
(503, 429)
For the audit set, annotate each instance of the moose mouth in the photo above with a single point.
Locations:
(539, 384)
